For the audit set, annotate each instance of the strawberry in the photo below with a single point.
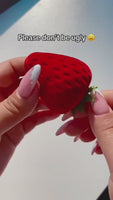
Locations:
(64, 81)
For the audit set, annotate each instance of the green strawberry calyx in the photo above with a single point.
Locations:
(88, 98)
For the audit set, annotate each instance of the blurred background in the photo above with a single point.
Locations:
(45, 166)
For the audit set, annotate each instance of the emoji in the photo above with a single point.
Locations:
(91, 37)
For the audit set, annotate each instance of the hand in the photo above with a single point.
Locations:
(97, 123)
(20, 106)
(101, 121)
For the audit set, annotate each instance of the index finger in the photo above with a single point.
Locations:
(10, 71)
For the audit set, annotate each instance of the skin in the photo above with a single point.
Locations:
(88, 126)
(19, 116)
(102, 127)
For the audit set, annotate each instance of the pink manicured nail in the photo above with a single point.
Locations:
(99, 106)
(76, 139)
(28, 82)
(96, 149)
(60, 130)
(67, 116)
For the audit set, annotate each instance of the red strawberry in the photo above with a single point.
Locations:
(64, 80)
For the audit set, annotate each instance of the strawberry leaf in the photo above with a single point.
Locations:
(89, 97)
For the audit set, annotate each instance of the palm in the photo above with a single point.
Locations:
(10, 71)
(12, 137)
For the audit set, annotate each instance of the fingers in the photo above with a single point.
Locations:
(8, 145)
(108, 95)
(10, 71)
(96, 149)
(37, 119)
(74, 127)
(13, 137)
(111, 186)
(77, 114)
(101, 121)
(21, 102)
(6, 152)
(87, 135)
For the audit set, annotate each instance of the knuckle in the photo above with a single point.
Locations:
(12, 105)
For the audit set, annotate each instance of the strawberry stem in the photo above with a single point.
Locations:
(89, 97)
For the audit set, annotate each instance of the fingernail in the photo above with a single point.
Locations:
(61, 130)
(76, 139)
(28, 82)
(67, 116)
(94, 149)
(99, 106)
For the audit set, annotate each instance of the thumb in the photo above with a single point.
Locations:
(101, 121)
(21, 102)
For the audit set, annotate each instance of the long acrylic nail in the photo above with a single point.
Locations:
(99, 106)
(76, 139)
(96, 149)
(28, 82)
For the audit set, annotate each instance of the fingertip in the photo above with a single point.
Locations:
(96, 149)
(99, 106)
